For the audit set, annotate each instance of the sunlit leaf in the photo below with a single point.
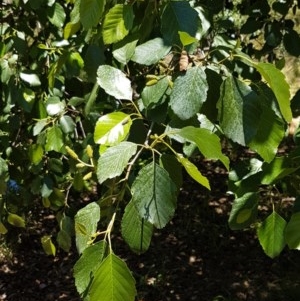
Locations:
(48, 246)
(186, 39)
(54, 140)
(88, 217)
(112, 128)
(112, 281)
(113, 162)
(271, 234)
(114, 82)
(16, 220)
(31, 79)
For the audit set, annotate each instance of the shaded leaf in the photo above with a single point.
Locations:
(135, 230)
(154, 195)
(276, 80)
(238, 110)
(292, 233)
(90, 12)
(244, 211)
(189, 93)
(16, 220)
(57, 15)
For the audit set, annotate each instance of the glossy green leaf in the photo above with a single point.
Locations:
(54, 139)
(117, 23)
(48, 246)
(193, 171)
(279, 86)
(91, 12)
(154, 195)
(114, 160)
(271, 234)
(150, 52)
(112, 281)
(67, 124)
(292, 233)
(135, 230)
(114, 82)
(86, 219)
(16, 220)
(189, 93)
(186, 39)
(178, 16)
(151, 95)
(112, 128)
(207, 142)
(57, 15)
(244, 211)
(30, 78)
(239, 111)
(87, 264)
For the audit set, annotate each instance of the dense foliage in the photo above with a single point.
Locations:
(115, 99)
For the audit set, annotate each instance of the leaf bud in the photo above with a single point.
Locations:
(87, 176)
(89, 151)
(80, 165)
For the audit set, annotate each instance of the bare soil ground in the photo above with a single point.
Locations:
(196, 257)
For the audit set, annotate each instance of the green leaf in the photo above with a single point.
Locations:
(135, 230)
(114, 160)
(112, 128)
(67, 124)
(39, 126)
(91, 12)
(207, 142)
(151, 95)
(3, 229)
(151, 52)
(57, 15)
(124, 50)
(54, 139)
(16, 220)
(186, 39)
(112, 281)
(3, 167)
(36, 153)
(87, 264)
(279, 168)
(243, 212)
(48, 246)
(239, 111)
(154, 195)
(88, 217)
(30, 78)
(271, 234)
(193, 171)
(269, 134)
(117, 23)
(276, 80)
(189, 93)
(64, 240)
(292, 233)
(54, 106)
(178, 16)
(114, 82)
(70, 29)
